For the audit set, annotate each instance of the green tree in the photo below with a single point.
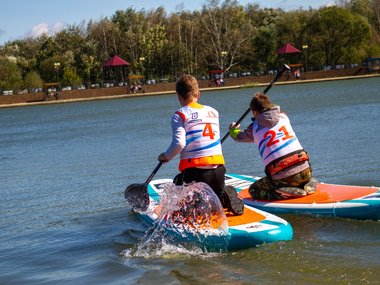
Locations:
(10, 74)
(24, 51)
(105, 33)
(363, 8)
(132, 26)
(376, 13)
(264, 46)
(32, 80)
(71, 77)
(79, 51)
(337, 31)
(47, 49)
(226, 33)
(90, 70)
(49, 70)
(155, 41)
(260, 54)
(183, 50)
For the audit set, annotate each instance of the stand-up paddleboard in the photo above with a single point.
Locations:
(251, 229)
(355, 202)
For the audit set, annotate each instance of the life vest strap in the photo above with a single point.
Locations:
(286, 161)
(200, 161)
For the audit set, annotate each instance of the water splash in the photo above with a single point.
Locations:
(191, 221)
(193, 208)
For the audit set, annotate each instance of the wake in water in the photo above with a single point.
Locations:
(191, 220)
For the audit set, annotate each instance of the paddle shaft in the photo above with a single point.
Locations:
(285, 68)
(153, 174)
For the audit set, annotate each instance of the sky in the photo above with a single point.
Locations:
(23, 18)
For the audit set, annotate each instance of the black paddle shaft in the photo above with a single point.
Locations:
(285, 68)
(153, 174)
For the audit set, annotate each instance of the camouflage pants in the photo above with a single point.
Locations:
(265, 188)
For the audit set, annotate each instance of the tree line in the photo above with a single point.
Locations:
(222, 35)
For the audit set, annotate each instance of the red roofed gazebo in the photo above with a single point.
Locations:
(115, 61)
(289, 54)
(115, 69)
(287, 48)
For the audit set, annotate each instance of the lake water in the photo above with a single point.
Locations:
(64, 168)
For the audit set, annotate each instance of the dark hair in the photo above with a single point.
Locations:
(260, 103)
(187, 86)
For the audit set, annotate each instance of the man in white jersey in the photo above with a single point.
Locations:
(287, 168)
(196, 137)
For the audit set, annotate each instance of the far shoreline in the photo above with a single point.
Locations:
(167, 92)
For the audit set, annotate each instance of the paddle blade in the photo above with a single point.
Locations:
(137, 197)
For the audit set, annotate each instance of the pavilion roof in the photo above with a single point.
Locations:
(115, 61)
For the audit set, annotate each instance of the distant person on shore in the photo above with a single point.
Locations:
(196, 137)
(297, 74)
(287, 168)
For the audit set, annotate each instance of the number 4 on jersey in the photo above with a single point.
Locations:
(207, 131)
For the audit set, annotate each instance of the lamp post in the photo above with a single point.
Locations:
(142, 60)
(56, 67)
(223, 55)
(305, 47)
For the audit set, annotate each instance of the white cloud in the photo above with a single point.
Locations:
(44, 28)
(55, 28)
(330, 4)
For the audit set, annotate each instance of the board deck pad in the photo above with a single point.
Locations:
(249, 216)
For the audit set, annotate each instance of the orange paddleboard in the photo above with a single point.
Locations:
(356, 202)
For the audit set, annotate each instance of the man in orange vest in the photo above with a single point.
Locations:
(196, 137)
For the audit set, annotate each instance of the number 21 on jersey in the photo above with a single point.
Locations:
(274, 137)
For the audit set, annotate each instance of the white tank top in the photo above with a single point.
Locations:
(202, 131)
(277, 141)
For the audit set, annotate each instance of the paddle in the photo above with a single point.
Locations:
(137, 194)
(283, 70)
